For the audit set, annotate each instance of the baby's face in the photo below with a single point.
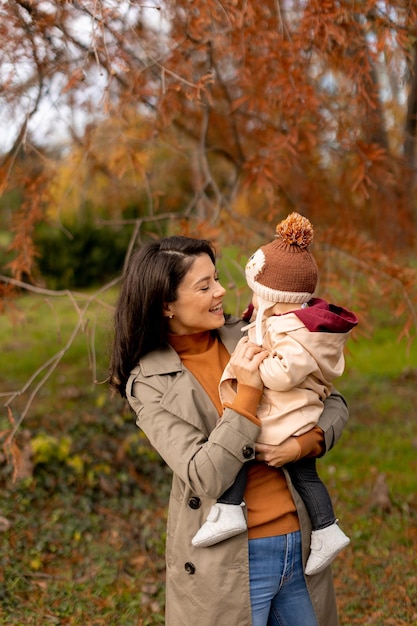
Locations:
(255, 300)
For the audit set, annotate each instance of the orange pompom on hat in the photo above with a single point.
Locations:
(283, 270)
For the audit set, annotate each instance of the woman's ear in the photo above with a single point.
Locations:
(168, 312)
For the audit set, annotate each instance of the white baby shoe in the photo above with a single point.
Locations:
(326, 544)
(223, 521)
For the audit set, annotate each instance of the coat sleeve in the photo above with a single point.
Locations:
(207, 462)
(287, 365)
(333, 418)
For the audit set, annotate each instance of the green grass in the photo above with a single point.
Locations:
(376, 577)
(87, 524)
(86, 547)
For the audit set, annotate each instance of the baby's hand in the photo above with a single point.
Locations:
(245, 360)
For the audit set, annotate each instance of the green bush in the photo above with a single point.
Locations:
(86, 256)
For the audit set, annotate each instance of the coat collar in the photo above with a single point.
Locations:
(161, 361)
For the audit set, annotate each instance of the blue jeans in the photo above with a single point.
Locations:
(278, 591)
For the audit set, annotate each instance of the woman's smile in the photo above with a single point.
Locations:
(218, 310)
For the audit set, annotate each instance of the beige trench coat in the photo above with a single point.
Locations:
(210, 586)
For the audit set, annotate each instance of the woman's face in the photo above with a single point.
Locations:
(199, 304)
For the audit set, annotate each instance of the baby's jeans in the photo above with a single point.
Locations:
(313, 491)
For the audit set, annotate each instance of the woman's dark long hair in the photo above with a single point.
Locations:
(150, 281)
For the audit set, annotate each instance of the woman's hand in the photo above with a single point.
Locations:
(277, 456)
(246, 359)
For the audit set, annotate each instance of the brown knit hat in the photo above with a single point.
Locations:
(284, 270)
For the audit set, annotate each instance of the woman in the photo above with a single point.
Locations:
(171, 345)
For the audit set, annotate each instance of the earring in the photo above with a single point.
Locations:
(170, 317)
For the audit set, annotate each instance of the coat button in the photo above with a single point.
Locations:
(189, 568)
(194, 502)
(248, 452)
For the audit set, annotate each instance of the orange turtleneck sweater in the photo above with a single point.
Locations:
(271, 509)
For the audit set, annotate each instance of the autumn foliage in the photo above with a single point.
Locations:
(217, 119)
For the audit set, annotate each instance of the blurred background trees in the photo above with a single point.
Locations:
(126, 120)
